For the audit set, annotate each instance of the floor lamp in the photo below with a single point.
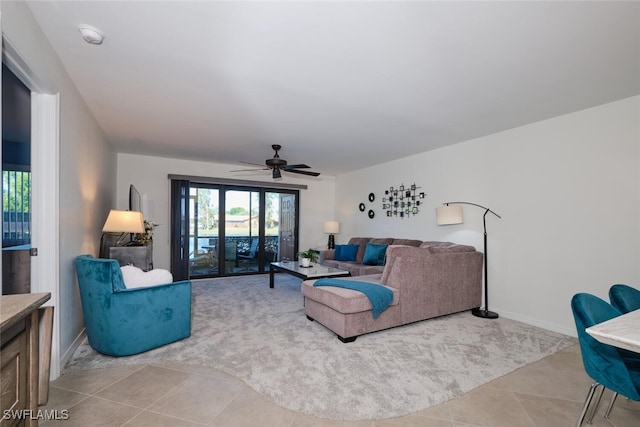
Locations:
(448, 215)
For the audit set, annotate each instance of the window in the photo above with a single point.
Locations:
(16, 212)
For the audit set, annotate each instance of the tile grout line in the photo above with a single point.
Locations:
(238, 393)
(164, 415)
(112, 383)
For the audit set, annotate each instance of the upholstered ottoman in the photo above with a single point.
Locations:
(346, 312)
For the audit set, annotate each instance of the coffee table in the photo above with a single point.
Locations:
(315, 271)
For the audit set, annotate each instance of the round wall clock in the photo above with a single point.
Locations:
(371, 213)
(361, 207)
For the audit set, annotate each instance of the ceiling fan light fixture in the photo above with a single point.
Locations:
(91, 34)
(277, 165)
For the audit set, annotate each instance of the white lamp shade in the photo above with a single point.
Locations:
(124, 222)
(332, 227)
(448, 215)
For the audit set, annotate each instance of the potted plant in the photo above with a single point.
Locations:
(307, 257)
(147, 236)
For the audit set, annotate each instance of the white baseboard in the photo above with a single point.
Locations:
(535, 322)
(72, 349)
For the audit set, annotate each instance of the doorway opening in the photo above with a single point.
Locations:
(16, 184)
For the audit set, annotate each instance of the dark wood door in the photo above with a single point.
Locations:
(287, 227)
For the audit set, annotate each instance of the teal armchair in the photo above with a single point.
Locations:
(121, 321)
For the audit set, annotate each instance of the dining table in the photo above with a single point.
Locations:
(622, 331)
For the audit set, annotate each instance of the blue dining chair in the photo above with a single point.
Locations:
(602, 362)
(624, 298)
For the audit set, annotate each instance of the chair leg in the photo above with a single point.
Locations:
(594, 408)
(587, 401)
(610, 407)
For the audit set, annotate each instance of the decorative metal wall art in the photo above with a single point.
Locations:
(402, 202)
(363, 208)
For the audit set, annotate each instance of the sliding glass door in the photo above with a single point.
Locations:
(203, 231)
(234, 230)
(241, 230)
(285, 229)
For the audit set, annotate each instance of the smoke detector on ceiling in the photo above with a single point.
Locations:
(91, 34)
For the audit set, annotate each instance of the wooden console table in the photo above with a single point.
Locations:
(19, 371)
(138, 256)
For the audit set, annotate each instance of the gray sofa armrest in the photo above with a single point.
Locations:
(326, 254)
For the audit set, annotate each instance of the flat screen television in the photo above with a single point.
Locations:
(135, 199)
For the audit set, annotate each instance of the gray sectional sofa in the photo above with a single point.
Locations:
(427, 280)
(357, 268)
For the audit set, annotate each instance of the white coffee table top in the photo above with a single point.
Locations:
(316, 270)
(622, 331)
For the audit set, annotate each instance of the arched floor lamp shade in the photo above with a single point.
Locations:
(449, 215)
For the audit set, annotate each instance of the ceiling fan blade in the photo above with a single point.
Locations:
(278, 165)
(303, 172)
(301, 166)
(250, 170)
(254, 164)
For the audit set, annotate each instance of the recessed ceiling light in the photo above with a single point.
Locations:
(91, 34)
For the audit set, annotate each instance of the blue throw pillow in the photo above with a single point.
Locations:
(374, 254)
(346, 252)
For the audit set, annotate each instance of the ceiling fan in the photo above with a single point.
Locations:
(276, 164)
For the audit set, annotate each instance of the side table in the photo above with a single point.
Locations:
(20, 353)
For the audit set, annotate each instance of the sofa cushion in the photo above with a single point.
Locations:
(351, 266)
(342, 300)
(362, 242)
(444, 250)
(331, 263)
(393, 253)
(346, 252)
(365, 270)
(374, 254)
(446, 247)
(355, 268)
(407, 242)
(381, 241)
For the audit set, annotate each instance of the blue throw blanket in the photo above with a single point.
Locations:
(380, 297)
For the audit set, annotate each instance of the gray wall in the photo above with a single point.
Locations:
(86, 166)
(568, 191)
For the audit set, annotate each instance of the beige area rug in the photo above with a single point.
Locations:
(263, 337)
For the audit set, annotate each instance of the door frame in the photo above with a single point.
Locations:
(45, 143)
(222, 189)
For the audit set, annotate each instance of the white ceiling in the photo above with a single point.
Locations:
(340, 85)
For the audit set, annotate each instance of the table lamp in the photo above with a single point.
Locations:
(331, 228)
(121, 223)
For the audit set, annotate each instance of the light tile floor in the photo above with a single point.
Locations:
(548, 393)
